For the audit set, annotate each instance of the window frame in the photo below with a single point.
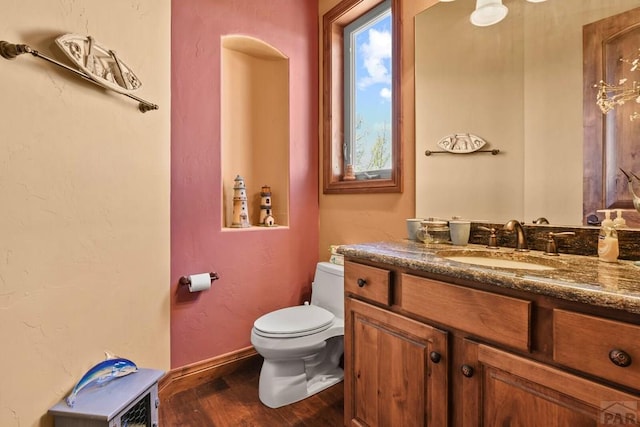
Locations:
(334, 23)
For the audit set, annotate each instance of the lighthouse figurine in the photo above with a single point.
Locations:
(240, 209)
(266, 218)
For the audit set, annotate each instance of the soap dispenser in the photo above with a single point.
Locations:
(608, 239)
(619, 221)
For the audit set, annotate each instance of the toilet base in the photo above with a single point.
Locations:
(283, 382)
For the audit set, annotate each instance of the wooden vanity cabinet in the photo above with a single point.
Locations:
(395, 368)
(504, 389)
(432, 353)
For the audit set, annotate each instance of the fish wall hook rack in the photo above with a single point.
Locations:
(462, 143)
(97, 64)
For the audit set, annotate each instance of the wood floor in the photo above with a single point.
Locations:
(232, 400)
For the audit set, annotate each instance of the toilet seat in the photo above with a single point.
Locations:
(294, 322)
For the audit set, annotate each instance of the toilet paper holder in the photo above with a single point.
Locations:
(184, 280)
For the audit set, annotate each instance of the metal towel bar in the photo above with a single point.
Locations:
(10, 51)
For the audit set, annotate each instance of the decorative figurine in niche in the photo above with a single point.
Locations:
(105, 371)
(266, 218)
(240, 209)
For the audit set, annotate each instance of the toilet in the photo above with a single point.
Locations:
(302, 345)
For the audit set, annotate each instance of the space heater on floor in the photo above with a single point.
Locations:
(130, 401)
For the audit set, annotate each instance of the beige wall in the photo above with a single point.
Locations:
(517, 84)
(84, 203)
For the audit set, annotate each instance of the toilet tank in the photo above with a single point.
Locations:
(327, 289)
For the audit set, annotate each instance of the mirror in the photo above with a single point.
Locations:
(518, 85)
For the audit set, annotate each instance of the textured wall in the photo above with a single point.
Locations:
(260, 269)
(84, 203)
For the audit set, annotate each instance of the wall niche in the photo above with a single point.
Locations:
(254, 126)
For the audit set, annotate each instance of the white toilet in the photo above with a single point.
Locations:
(302, 345)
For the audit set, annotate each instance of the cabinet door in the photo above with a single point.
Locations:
(395, 369)
(508, 390)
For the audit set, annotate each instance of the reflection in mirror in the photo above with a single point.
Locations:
(516, 84)
(611, 145)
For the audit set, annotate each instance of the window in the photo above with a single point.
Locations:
(367, 94)
(362, 149)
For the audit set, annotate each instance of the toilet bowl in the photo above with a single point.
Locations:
(302, 345)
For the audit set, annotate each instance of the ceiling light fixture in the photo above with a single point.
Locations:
(488, 12)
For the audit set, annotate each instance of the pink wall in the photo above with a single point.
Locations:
(260, 270)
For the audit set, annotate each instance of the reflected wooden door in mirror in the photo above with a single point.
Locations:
(611, 140)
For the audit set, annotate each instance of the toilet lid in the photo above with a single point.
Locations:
(294, 321)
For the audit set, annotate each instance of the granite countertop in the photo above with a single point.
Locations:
(583, 279)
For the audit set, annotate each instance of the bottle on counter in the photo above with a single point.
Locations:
(608, 250)
(619, 221)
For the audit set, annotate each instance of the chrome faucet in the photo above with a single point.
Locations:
(521, 242)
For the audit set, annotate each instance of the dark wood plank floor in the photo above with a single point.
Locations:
(233, 400)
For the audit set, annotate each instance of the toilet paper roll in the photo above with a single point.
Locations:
(199, 282)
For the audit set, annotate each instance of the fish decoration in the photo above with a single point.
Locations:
(105, 371)
(636, 199)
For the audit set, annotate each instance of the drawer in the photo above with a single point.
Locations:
(482, 314)
(589, 344)
(368, 282)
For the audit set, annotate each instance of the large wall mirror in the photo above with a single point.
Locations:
(518, 85)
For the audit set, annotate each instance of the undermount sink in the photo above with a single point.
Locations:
(509, 260)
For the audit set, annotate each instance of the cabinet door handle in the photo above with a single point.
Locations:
(361, 282)
(467, 371)
(435, 357)
(620, 358)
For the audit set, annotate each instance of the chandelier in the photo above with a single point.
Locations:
(610, 96)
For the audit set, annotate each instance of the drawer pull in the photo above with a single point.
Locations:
(361, 282)
(467, 371)
(435, 357)
(620, 358)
